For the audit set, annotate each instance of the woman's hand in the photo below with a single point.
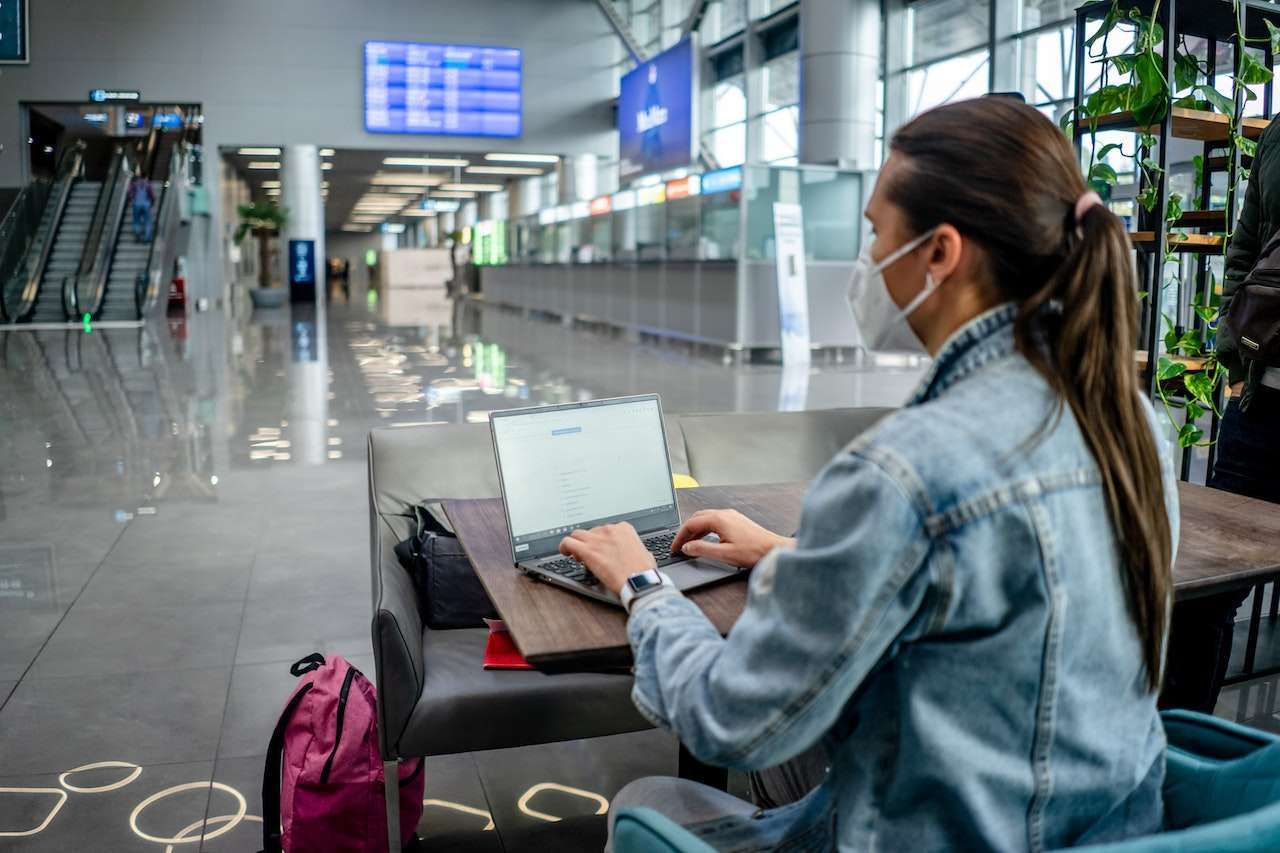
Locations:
(742, 541)
(612, 552)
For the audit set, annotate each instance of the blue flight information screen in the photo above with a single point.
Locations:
(13, 32)
(454, 90)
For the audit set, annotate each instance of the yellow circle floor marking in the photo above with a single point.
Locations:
(242, 808)
(99, 765)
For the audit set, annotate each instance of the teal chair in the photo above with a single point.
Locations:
(1221, 795)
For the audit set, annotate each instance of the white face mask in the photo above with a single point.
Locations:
(882, 323)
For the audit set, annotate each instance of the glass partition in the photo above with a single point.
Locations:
(832, 210)
(683, 228)
(601, 236)
(624, 234)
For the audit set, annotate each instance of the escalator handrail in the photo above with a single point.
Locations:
(148, 285)
(69, 164)
(104, 232)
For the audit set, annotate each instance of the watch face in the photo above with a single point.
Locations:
(644, 580)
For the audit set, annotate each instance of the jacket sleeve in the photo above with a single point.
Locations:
(1242, 254)
(818, 620)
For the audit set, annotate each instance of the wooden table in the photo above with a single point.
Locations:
(1227, 542)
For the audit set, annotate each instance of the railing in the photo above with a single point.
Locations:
(147, 285)
(104, 230)
(22, 259)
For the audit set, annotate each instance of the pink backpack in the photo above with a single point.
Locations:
(323, 784)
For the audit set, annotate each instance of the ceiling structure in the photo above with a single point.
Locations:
(378, 179)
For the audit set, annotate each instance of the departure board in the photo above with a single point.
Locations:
(455, 90)
(13, 32)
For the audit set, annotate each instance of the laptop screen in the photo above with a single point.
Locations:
(582, 465)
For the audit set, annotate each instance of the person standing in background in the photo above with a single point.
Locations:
(1248, 452)
(142, 197)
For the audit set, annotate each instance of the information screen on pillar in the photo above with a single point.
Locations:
(448, 89)
(655, 113)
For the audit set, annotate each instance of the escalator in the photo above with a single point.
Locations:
(28, 235)
(68, 248)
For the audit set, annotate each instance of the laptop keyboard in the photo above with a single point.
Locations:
(659, 545)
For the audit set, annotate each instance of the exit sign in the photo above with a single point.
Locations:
(13, 32)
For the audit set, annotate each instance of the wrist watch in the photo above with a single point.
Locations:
(639, 585)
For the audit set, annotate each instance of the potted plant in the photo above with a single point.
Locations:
(265, 219)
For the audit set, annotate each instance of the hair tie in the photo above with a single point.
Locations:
(1086, 201)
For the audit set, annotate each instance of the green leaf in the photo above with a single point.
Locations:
(1207, 313)
(1247, 146)
(1189, 435)
(1220, 102)
(1185, 71)
(1190, 343)
(1197, 165)
(1108, 24)
(1191, 102)
(1167, 369)
(1201, 386)
(1143, 294)
(1149, 198)
(1065, 121)
(1103, 173)
(1274, 32)
(1170, 336)
(1102, 152)
(1152, 95)
(1173, 208)
(1194, 411)
(1252, 72)
(1124, 62)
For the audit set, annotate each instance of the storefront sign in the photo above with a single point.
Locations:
(722, 180)
(601, 205)
(624, 200)
(683, 188)
(651, 195)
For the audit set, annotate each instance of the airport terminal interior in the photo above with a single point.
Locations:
(273, 274)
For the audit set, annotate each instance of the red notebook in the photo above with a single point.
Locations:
(501, 652)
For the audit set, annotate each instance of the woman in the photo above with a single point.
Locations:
(972, 617)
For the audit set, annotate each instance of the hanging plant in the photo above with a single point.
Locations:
(1147, 95)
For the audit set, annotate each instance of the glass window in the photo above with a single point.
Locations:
(723, 19)
(780, 138)
(650, 232)
(1037, 13)
(764, 8)
(624, 234)
(1046, 63)
(781, 77)
(729, 145)
(830, 200)
(950, 80)
(683, 234)
(780, 39)
(728, 101)
(942, 27)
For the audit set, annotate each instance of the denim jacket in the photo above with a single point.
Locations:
(951, 626)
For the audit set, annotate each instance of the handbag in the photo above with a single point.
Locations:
(449, 592)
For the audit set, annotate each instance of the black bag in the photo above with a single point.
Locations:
(1252, 326)
(449, 593)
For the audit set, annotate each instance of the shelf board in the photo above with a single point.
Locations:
(1180, 242)
(1194, 365)
(1213, 219)
(1221, 163)
(1200, 125)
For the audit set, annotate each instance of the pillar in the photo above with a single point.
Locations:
(300, 195)
(839, 71)
(578, 178)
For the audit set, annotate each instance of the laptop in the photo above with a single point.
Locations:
(580, 465)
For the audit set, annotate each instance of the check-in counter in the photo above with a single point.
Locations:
(696, 266)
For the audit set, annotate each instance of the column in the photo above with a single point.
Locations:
(578, 178)
(309, 367)
(300, 195)
(839, 70)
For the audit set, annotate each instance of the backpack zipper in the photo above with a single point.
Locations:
(342, 713)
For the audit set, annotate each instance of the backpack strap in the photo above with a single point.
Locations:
(271, 776)
(310, 663)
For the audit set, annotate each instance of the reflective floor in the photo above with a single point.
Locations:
(183, 514)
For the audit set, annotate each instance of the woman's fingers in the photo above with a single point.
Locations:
(722, 551)
(695, 527)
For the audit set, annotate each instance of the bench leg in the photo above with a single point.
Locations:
(391, 775)
(688, 767)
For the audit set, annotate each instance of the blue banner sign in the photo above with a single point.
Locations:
(454, 90)
(722, 180)
(105, 96)
(302, 261)
(655, 113)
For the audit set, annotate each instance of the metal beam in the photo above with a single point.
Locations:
(623, 31)
(694, 20)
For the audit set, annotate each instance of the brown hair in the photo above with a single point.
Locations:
(1007, 179)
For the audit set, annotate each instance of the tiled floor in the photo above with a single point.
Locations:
(183, 514)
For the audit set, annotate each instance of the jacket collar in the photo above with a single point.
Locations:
(983, 339)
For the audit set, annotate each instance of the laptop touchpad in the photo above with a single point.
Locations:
(689, 574)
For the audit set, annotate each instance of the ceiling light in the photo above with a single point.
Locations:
(452, 194)
(326, 152)
(522, 158)
(504, 170)
(413, 211)
(259, 152)
(324, 185)
(326, 166)
(359, 229)
(415, 180)
(424, 161)
(271, 185)
(475, 188)
(264, 164)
